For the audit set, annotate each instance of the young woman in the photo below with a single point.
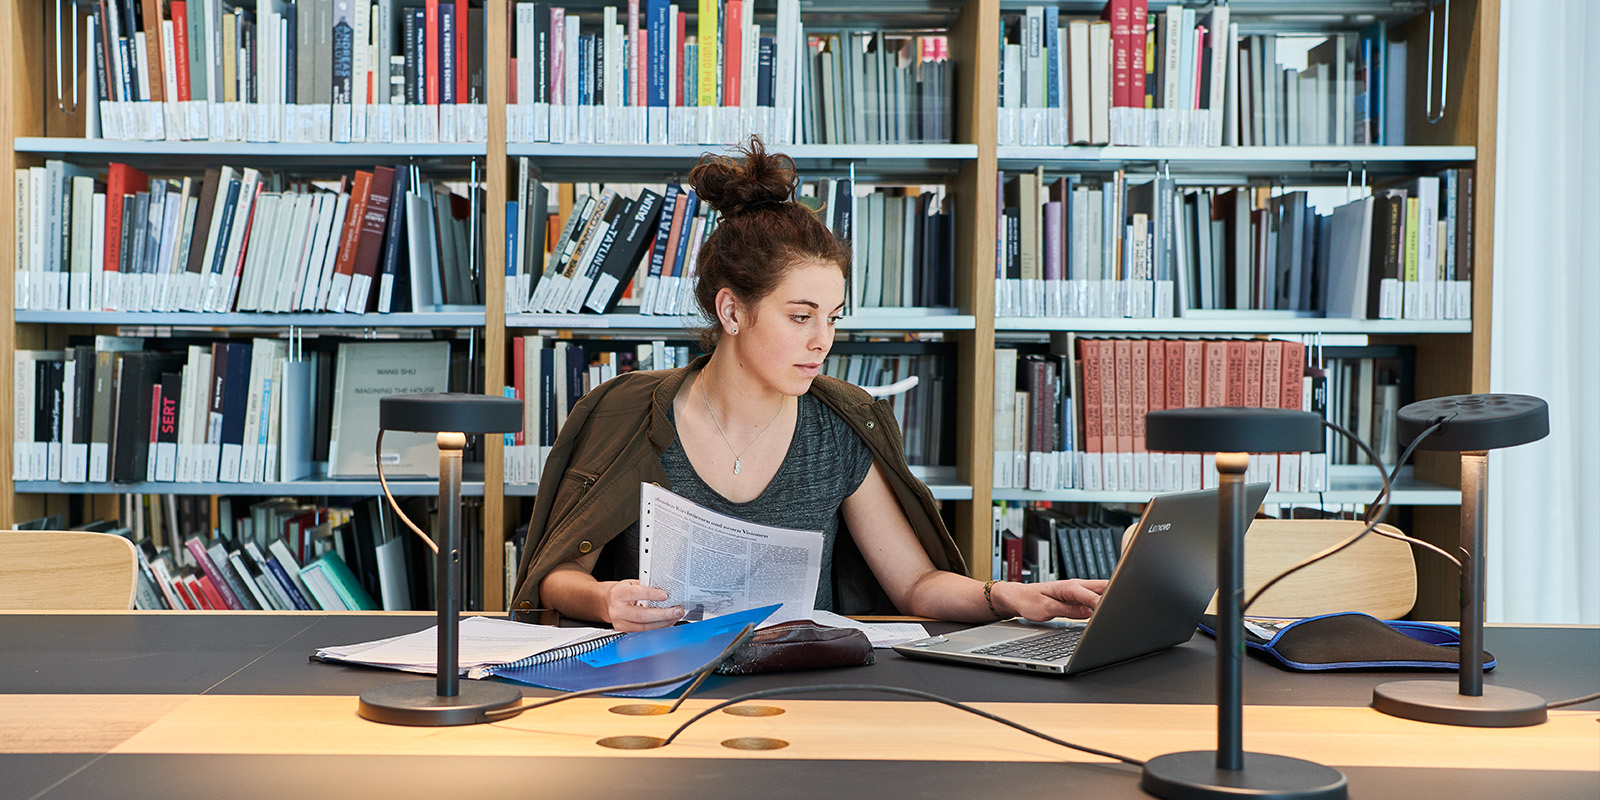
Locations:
(754, 432)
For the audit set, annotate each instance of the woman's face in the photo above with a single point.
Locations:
(785, 342)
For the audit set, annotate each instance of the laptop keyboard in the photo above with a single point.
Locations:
(1050, 646)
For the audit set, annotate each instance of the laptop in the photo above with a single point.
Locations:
(1162, 584)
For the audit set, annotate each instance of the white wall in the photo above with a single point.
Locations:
(1544, 498)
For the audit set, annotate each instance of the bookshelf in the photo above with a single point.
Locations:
(1452, 356)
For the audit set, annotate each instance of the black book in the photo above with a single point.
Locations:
(541, 54)
(139, 375)
(634, 233)
(124, 254)
(390, 296)
(1388, 246)
(235, 391)
(547, 397)
(577, 367)
(83, 394)
(166, 422)
(1013, 232)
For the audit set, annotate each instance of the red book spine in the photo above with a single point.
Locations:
(461, 51)
(1294, 371)
(1253, 354)
(732, 48)
(208, 591)
(1123, 353)
(1216, 366)
(350, 235)
(1140, 351)
(1271, 374)
(1108, 397)
(120, 178)
(1089, 359)
(180, 47)
(1234, 394)
(1138, 14)
(1118, 12)
(1158, 374)
(430, 19)
(374, 219)
(192, 595)
(1194, 374)
(219, 586)
(1175, 378)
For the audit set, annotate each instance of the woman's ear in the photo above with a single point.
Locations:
(730, 312)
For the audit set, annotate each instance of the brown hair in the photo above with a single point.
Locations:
(761, 231)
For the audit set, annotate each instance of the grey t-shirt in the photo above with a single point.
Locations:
(825, 464)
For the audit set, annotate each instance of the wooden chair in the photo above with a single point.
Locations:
(1376, 576)
(66, 570)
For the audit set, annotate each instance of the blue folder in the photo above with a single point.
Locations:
(641, 657)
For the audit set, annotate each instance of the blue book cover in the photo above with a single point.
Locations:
(1052, 46)
(641, 657)
(659, 20)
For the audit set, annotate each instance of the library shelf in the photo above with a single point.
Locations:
(203, 319)
(942, 481)
(1275, 160)
(1343, 490)
(59, 145)
(315, 487)
(1242, 323)
(909, 320)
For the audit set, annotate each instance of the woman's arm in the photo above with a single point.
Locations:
(884, 536)
(571, 589)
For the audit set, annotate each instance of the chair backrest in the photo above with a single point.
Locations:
(1376, 576)
(66, 570)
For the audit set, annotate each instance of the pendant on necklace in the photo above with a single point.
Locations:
(736, 466)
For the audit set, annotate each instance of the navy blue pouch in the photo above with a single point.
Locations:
(1352, 641)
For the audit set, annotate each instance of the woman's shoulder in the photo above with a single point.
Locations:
(839, 393)
(629, 389)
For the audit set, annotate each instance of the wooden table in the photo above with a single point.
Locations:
(226, 704)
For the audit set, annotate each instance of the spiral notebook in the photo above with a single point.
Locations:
(485, 642)
(638, 657)
(566, 659)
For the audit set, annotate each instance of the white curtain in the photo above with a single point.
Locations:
(1544, 498)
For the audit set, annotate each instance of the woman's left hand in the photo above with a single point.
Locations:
(1044, 601)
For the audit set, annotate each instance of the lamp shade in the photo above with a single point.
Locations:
(1475, 422)
(1232, 430)
(452, 412)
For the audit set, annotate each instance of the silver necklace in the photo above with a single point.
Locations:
(739, 453)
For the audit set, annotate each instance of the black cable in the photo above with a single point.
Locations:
(855, 687)
(1394, 475)
(1383, 508)
(698, 675)
(1576, 701)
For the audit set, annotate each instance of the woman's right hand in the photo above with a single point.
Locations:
(625, 609)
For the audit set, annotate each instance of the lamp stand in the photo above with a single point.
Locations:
(1472, 704)
(1229, 771)
(446, 701)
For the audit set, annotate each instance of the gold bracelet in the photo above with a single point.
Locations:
(988, 598)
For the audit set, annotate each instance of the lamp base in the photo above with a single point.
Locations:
(418, 703)
(1441, 702)
(1195, 774)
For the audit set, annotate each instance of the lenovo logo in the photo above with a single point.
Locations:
(1162, 527)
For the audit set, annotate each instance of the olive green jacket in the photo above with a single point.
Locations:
(613, 440)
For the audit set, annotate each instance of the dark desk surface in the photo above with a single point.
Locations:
(160, 675)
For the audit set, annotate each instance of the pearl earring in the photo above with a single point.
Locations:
(735, 330)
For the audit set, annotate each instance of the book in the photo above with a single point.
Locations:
(365, 372)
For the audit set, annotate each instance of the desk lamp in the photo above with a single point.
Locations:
(1234, 433)
(1470, 424)
(445, 700)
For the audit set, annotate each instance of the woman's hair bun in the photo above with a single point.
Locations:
(734, 184)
